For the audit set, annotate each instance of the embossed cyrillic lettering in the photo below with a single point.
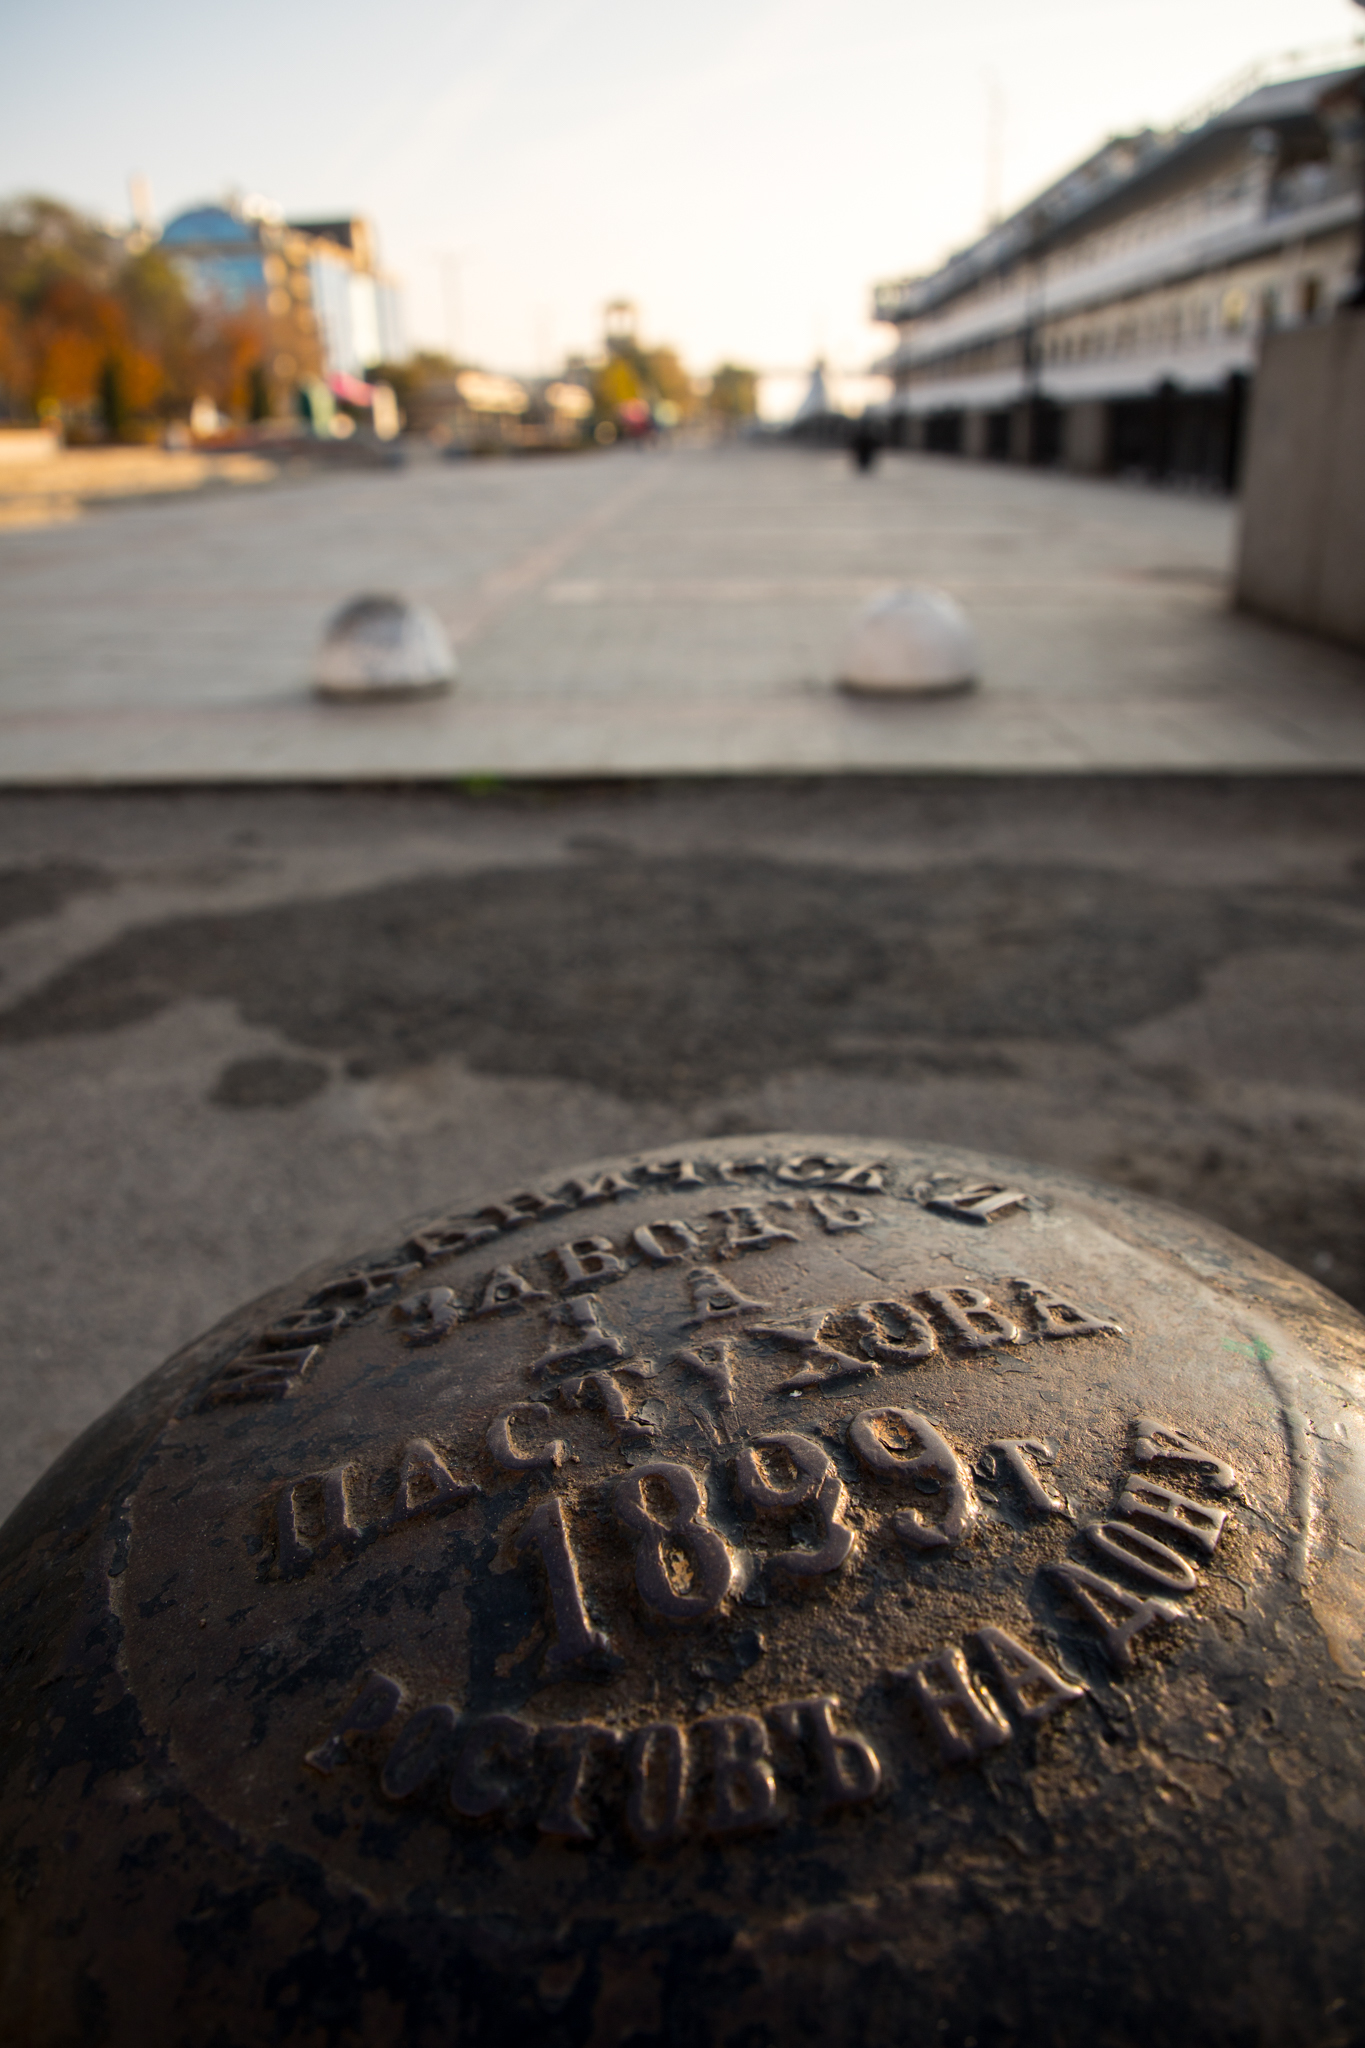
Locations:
(447, 1240)
(1097, 1597)
(657, 1759)
(364, 1286)
(849, 1768)
(981, 1202)
(1145, 1501)
(870, 1177)
(747, 1229)
(590, 1341)
(972, 1316)
(587, 1261)
(1159, 1443)
(1032, 1687)
(732, 1171)
(666, 1242)
(527, 1207)
(503, 1450)
(328, 1492)
(808, 1167)
(607, 1187)
(420, 1751)
(838, 1215)
(894, 1333)
(681, 1172)
(816, 1487)
(428, 1316)
(824, 1363)
(934, 1468)
(575, 1742)
(304, 1326)
(426, 1484)
(261, 1376)
(1017, 1454)
(506, 1288)
(475, 1790)
(1057, 1317)
(546, 1531)
(315, 1515)
(604, 1388)
(1142, 1554)
(743, 1788)
(962, 1714)
(682, 1527)
(819, 1169)
(714, 1297)
(711, 1365)
(374, 1706)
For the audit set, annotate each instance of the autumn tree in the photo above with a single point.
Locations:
(633, 374)
(102, 335)
(668, 379)
(734, 394)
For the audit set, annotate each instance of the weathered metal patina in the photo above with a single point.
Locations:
(792, 1591)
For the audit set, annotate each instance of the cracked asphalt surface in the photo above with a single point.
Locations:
(241, 1031)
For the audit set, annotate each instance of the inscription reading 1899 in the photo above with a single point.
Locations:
(641, 1475)
(728, 1772)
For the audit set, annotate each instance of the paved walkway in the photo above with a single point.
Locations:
(675, 613)
(242, 1030)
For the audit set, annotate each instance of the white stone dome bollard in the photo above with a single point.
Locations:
(384, 647)
(910, 642)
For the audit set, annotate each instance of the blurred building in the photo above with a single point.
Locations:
(1112, 324)
(326, 307)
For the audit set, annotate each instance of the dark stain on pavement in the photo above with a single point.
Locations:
(687, 980)
(268, 1081)
(39, 891)
(684, 978)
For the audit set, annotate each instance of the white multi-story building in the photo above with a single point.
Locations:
(325, 307)
(1112, 323)
(356, 304)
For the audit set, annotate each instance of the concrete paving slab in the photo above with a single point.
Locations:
(242, 1030)
(653, 614)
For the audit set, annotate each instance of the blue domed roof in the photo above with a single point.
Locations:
(210, 224)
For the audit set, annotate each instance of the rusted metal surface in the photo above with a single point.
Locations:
(792, 1591)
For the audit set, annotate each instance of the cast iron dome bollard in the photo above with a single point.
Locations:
(778, 1590)
(912, 642)
(380, 647)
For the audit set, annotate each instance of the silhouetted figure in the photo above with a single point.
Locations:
(865, 445)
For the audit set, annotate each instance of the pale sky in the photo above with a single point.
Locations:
(743, 169)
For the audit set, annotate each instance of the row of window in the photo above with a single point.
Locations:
(1153, 223)
(1197, 316)
(1235, 309)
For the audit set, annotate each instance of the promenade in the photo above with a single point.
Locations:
(241, 1030)
(1108, 913)
(669, 613)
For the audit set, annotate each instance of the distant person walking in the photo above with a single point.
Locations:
(865, 445)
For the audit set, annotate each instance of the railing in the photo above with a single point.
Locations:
(902, 298)
(1338, 55)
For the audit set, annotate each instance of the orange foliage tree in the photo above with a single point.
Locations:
(101, 334)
